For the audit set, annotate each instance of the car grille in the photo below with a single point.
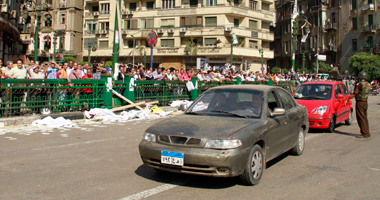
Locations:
(179, 140)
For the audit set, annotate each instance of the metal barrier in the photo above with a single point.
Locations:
(23, 96)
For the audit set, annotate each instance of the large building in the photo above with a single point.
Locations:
(10, 47)
(187, 30)
(360, 27)
(323, 28)
(60, 22)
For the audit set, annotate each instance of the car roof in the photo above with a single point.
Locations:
(262, 88)
(322, 82)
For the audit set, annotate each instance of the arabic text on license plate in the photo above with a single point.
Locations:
(172, 158)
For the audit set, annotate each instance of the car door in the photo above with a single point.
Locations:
(347, 107)
(293, 115)
(276, 135)
(338, 103)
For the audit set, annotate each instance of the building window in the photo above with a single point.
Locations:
(167, 42)
(253, 5)
(103, 44)
(63, 19)
(236, 2)
(332, 3)
(167, 23)
(167, 4)
(211, 2)
(91, 27)
(370, 42)
(370, 20)
(354, 44)
(193, 3)
(146, 23)
(130, 24)
(354, 23)
(105, 8)
(210, 41)
(354, 4)
(130, 43)
(104, 26)
(48, 21)
(191, 21)
(150, 5)
(132, 6)
(236, 22)
(49, 2)
(253, 44)
(61, 43)
(253, 24)
(210, 21)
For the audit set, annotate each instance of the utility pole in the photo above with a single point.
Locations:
(115, 52)
(318, 40)
(294, 44)
(232, 49)
(133, 62)
(89, 52)
(36, 30)
(54, 44)
(262, 57)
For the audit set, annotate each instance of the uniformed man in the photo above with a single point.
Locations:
(361, 91)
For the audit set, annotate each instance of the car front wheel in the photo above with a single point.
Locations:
(254, 168)
(300, 145)
(332, 124)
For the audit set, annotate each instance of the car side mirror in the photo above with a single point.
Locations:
(278, 112)
(340, 96)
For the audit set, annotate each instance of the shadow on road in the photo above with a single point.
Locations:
(185, 180)
(345, 133)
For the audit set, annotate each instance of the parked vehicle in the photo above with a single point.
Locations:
(228, 131)
(325, 103)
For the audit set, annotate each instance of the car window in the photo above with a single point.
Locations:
(273, 101)
(345, 91)
(313, 92)
(286, 99)
(226, 102)
(337, 91)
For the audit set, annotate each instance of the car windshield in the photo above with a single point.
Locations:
(313, 92)
(233, 102)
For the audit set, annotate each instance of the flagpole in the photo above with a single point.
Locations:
(116, 40)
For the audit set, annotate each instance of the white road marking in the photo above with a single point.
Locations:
(64, 135)
(74, 144)
(151, 192)
(165, 187)
(374, 169)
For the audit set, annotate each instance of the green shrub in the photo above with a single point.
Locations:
(68, 58)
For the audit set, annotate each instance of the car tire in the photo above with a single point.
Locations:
(349, 120)
(300, 145)
(254, 168)
(331, 125)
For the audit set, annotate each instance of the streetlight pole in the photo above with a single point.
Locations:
(115, 52)
(37, 10)
(54, 44)
(89, 52)
(295, 28)
(133, 62)
(232, 49)
(262, 57)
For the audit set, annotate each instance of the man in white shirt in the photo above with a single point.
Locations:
(70, 68)
(233, 67)
(35, 72)
(208, 68)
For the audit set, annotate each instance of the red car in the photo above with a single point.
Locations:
(325, 105)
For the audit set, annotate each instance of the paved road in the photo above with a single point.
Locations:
(101, 161)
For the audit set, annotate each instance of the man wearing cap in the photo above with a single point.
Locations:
(361, 92)
(35, 72)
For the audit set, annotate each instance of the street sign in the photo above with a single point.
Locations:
(322, 57)
(151, 39)
(262, 69)
(201, 63)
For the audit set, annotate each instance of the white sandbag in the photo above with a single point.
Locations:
(50, 122)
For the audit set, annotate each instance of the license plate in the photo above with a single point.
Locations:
(172, 158)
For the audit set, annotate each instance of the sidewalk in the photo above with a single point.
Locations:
(27, 120)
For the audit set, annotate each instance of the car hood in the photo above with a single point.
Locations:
(313, 104)
(196, 126)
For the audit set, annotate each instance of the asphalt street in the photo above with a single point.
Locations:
(101, 161)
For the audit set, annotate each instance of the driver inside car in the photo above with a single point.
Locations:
(221, 103)
(257, 101)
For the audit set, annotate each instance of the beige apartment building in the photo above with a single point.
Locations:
(360, 27)
(61, 21)
(186, 29)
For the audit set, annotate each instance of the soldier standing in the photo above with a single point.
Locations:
(361, 91)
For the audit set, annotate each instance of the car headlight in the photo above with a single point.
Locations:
(223, 144)
(150, 137)
(320, 110)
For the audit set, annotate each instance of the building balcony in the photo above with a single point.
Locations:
(282, 2)
(368, 8)
(369, 28)
(367, 49)
(65, 52)
(46, 29)
(331, 48)
(330, 26)
(268, 1)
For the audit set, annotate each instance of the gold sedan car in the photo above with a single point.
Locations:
(228, 131)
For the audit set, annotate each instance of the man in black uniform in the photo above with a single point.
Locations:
(361, 91)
